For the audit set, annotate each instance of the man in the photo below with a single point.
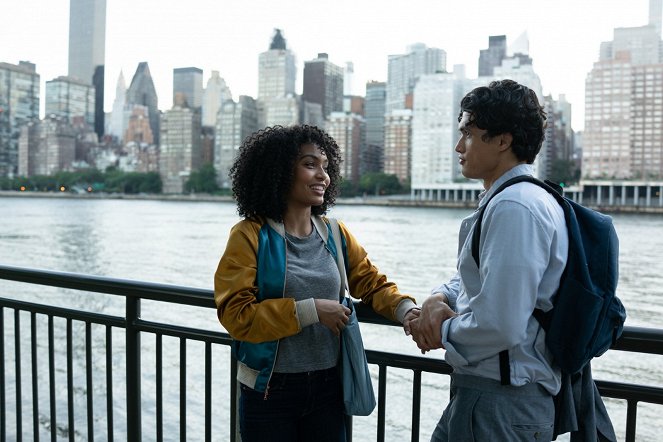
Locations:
(487, 309)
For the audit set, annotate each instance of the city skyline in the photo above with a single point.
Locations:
(229, 38)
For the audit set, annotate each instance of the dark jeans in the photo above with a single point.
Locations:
(298, 407)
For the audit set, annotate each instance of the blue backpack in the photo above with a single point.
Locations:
(587, 317)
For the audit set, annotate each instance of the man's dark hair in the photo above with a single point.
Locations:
(263, 170)
(508, 107)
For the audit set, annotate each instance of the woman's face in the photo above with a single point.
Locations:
(310, 178)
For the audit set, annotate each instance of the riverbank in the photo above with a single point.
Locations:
(389, 201)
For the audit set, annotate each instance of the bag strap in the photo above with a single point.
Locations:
(557, 192)
(340, 260)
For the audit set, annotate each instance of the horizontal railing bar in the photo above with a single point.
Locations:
(397, 360)
(640, 340)
(184, 332)
(621, 390)
(77, 315)
(112, 286)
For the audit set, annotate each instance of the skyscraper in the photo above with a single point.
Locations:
(216, 92)
(491, 57)
(87, 49)
(19, 104)
(276, 69)
(69, 98)
(189, 82)
(323, 84)
(277, 102)
(118, 121)
(376, 94)
(141, 91)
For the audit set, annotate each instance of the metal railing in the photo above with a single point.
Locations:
(634, 339)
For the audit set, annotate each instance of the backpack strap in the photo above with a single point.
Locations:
(556, 191)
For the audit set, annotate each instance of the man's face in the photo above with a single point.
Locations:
(478, 156)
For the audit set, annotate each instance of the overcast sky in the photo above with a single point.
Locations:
(228, 35)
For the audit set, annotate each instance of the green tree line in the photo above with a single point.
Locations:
(88, 180)
(202, 180)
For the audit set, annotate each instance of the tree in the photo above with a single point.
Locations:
(203, 180)
(378, 183)
(564, 171)
(347, 189)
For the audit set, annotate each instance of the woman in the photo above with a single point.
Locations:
(277, 286)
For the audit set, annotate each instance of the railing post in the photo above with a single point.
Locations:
(631, 416)
(133, 370)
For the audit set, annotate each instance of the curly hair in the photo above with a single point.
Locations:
(263, 171)
(508, 107)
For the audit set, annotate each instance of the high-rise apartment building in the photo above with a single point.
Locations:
(405, 69)
(646, 144)
(215, 93)
(87, 50)
(235, 122)
(19, 105)
(69, 98)
(47, 147)
(189, 82)
(349, 131)
(435, 130)
(181, 150)
(323, 84)
(493, 56)
(624, 106)
(398, 143)
(141, 91)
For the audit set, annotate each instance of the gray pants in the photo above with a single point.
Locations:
(482, 410)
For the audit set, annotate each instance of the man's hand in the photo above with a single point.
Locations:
(426, 330)
(332, 314)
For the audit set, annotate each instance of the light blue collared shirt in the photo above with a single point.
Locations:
(523, 251)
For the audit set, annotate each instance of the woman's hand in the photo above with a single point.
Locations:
(332, 314)
(409, 317)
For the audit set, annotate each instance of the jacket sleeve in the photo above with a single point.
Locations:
(368, 284)
(235, 293)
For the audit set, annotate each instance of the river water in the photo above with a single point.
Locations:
(180, 243)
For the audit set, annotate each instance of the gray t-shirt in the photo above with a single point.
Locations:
(311, 272)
